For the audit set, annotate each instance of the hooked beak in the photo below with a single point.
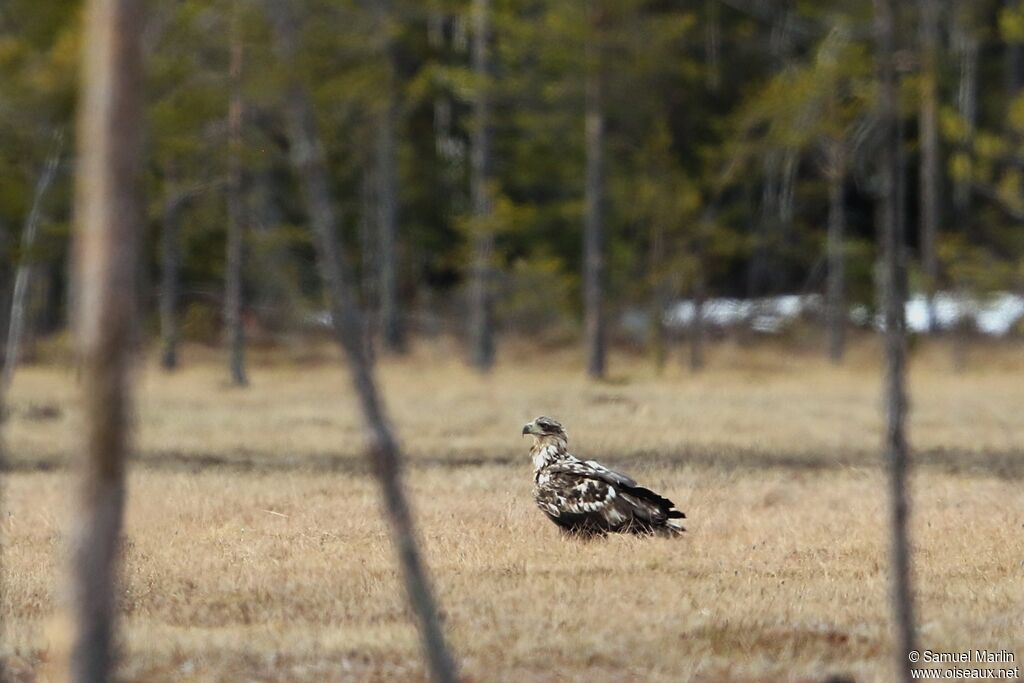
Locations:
(526, 429)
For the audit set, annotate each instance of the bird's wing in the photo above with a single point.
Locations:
(569, 490)
(611, 476)
(626, 494)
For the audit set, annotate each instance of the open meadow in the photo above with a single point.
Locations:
(255, 551)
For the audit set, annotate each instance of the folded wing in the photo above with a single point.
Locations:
(588, 497)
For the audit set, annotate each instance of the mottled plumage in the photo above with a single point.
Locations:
(585, 497)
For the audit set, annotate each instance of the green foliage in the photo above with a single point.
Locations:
(537, 296)
(723, 126)
(1011, 23)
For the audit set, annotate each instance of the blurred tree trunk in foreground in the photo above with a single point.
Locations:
(383, 450)
(16, 323)
(3, 453)
(593, 225)
(108, 209)
(482, 302)
(893, 283)
(233, 324)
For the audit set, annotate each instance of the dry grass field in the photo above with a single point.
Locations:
(255, 551)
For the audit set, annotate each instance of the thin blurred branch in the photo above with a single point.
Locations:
(383, 450)
(894, 291)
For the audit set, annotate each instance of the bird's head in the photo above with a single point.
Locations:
(546, 430)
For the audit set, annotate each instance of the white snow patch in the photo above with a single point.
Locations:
(768, 314)
(995, 315)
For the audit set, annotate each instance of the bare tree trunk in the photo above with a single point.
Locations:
(967, 105)
(697, 327)
(930, 172)
(767, 267)
(482, 304)
(170, 267)
(438, 27)
(368, 252)
(966, 99)
(6, 277)
(392, 329)
(234, 330)
(1014, 59)
(901, 200)
(383, 450)
(713, 45)
(962, 330)
(393, 332)
(787, 211)
(656, 331)
(109, 216)
(698, 331)
(658, 285)
(762, 273)
(170, 261)
(836, 287)
(593, 226)
(24, 273)
(895, 343)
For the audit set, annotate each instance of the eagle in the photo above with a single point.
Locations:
(585, 498)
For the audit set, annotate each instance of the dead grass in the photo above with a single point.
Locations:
(254, 549)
